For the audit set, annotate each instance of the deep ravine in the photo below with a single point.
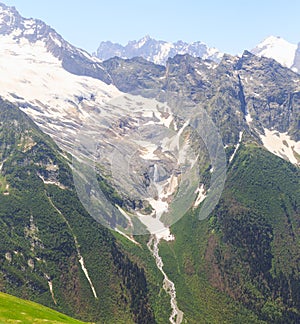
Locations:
(160, 231)
(160, 204)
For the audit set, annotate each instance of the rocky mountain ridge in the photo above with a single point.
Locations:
(35, 31)
(242, 79)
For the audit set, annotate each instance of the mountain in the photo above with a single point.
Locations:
(280, 50)
(258, 93)
(201, 157)
(156, 51)
(243, 248)
(17, 29)
(35, 55)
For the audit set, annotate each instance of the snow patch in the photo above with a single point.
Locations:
(147, 152)
(56, 41)
(80, 258)
(201, 195)
(130, 238)
(281, 145)
(248, 118)
(130, 224)
(84, 269)
(142, 41)
(50, 288)
(210, 65)
(237, 147)
(163, 54)
(56, 183)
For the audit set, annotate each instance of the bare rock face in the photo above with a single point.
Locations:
(136, 75)
(255, 87)
(271, 93)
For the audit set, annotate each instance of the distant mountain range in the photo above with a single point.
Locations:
(158, 51)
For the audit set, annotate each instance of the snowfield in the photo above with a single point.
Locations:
(281, 145)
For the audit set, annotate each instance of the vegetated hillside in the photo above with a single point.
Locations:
(248, 248)
(51, 250)
(13, 309)
(259, 220)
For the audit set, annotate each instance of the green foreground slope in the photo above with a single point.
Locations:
(13, 309)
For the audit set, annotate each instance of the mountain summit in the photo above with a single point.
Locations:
(157, 51)
(16, 29)
(278, 49)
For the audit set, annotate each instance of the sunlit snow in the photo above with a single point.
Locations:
(281, 145)
(278, 49)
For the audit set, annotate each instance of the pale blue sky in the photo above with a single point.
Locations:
(229, 25)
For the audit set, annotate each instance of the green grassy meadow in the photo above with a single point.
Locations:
(16, 310)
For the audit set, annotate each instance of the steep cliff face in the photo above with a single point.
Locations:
(271, 93)
(143, 77)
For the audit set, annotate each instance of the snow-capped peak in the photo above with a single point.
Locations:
(22, 30)
(277, 48)
(142, 41)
